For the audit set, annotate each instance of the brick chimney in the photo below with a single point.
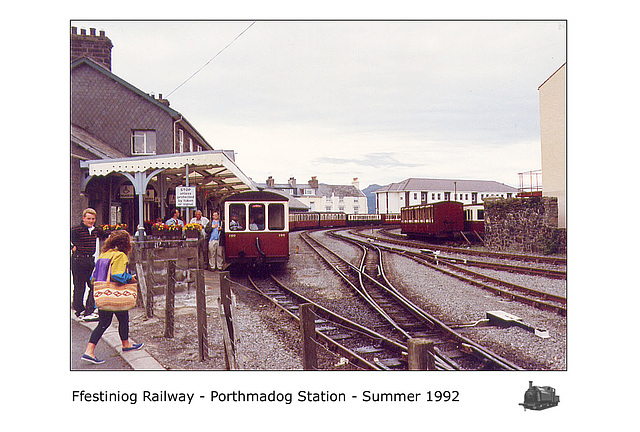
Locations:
(313, 182)
(271, 182)
(95, 47)
(292, 182)
(356, 183)
(162, 100)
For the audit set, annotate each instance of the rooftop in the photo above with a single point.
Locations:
(422, 184)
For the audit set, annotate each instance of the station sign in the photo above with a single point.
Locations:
(185, 196)
(126, 191)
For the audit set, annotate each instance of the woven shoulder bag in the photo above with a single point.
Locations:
(114, 296)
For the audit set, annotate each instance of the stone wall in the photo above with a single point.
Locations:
(528, 225)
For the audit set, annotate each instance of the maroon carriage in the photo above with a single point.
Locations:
(333, 219)
(441, 219)
(256, 228)
(303, 220)
(391, 219)
(474, 218)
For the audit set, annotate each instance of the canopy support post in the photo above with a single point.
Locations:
(140, 181)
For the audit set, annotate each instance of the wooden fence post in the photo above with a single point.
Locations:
(142, 285)
(421, 355)
(149, 283)
(308, 328)
(201, 310)
(170, 299)
(226, 320)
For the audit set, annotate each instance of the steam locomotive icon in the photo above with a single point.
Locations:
(540, 397)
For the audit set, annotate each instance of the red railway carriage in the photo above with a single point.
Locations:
(303, 220)
(363, 219)
(441, 219)
(474, 218)
(256, 228)
(332, 219)
(391, 219)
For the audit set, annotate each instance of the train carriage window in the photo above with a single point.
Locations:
(276, 216)
(256, 217)
(480, 214)
(237, 217)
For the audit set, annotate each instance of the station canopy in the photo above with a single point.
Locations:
(210, 170)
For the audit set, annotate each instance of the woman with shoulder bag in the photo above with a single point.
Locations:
(112, 265)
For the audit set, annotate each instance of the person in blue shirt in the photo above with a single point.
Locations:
(214, 228)
(175, 219)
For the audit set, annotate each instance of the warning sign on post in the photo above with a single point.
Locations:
(185, 196)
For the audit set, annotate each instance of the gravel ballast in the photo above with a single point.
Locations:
(270, 340)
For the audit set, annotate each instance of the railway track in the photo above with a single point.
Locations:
(398, 239)
(452, 350)
(364, 348)
(554, 273)
(529, 296)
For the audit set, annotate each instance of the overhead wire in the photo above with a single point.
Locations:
(212, 58)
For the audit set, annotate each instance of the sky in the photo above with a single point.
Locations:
(380, 101)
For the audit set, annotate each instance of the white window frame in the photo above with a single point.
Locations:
(180, 141)
(145, 134)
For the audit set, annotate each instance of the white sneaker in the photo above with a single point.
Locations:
(92, 317)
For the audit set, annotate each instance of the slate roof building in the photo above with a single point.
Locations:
(413, 191)
(127, 144)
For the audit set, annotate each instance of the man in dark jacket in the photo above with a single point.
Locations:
(84, 244)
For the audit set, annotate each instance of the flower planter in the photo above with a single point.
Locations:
(173, 234)
(192, 234)
(108, 229)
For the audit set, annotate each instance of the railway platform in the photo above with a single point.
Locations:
(110, 347)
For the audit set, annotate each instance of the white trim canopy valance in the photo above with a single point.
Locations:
(211, 170)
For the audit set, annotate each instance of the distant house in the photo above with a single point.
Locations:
(323, 197)
(413, 191)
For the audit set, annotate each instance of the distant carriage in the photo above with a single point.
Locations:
(474, 218)
(441, 219)
(363, 219)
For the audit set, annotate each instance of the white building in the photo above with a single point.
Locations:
(324, 197)
(413, 191)
(553, 139)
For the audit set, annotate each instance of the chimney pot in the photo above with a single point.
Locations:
(270, 182)
(92, 31)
